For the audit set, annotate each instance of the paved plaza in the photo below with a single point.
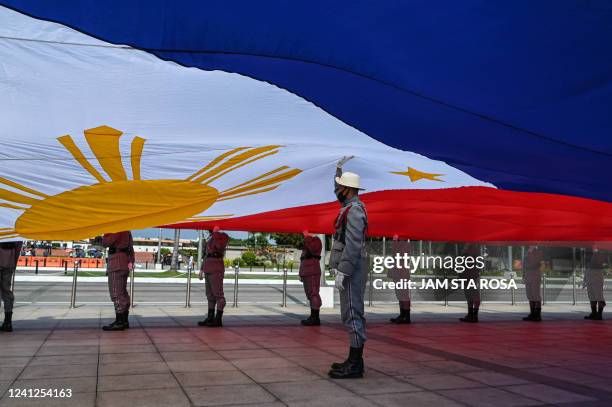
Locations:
(263, 357)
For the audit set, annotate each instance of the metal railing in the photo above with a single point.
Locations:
(236, 273)
(73, 292)
(188, 291)
(552, 290)
(284, 302)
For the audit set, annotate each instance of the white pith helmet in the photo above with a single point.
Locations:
(349, 179)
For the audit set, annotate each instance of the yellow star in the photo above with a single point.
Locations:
(416, 175)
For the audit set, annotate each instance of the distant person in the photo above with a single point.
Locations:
(120, 262)
(594, 282)
(310, 275)
(9, 255)
(213, 271)
(190, 264)
(397, 275)
(349, 261)
(532, 277)
(472, 276)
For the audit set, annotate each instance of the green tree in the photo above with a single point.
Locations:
(288, 239)
(249, 258)
(258, 240)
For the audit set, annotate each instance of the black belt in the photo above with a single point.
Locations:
(310, 257)
(113, 250)
(214, 255)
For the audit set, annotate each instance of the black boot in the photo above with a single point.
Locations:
(340, 365)
(313, 319)
(7, 325)
(209, 318)
(402, 318)
(602, 304)
(593, 314)
(537, 312)
(116, 325)
(475, 315)
(217, 320)
(470, 315)
(351, 370)
(126, 320)
(397, 318)
(531, 312)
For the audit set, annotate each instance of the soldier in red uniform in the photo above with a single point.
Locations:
(472, 295)
(594, 282)
(310, 275)
(532, 277)
(9, 255)
(120, 262)
(213, 270)
(397, 275)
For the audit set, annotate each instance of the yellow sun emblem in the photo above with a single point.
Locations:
(122, 203)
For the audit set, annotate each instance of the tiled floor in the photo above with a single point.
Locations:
(263, 357)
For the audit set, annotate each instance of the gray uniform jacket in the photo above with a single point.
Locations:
(348, 250)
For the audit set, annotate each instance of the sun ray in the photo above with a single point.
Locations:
(8, 233)
(11, 206)
(284, 167)
(22, 188)
(210, 217)
(104, 142)
(76, 152)
(242, 164)
(260, 184)
(258, 191)
(16, 198)
(215, 162)
(236, 162)
(136, 154)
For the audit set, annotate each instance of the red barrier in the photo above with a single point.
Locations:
(30, 261)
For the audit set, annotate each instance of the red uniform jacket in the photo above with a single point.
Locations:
(215, 250)
(534, 258)
(9, 254)
(598, 260)
(121, 243)
(311, 255)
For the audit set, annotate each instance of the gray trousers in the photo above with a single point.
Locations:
(352, 307)
(6, 292)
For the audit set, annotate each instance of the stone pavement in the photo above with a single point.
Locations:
(262, 357)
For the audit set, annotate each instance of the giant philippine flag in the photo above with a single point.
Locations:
(118, 116)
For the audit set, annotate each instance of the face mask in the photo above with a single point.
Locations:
(340, 195)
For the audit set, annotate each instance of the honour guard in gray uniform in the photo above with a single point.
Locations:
(121, 260)
(594, 282)
(397, 275)
(532, 277)
(9, 255)
(349, 261)
(472, 295)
